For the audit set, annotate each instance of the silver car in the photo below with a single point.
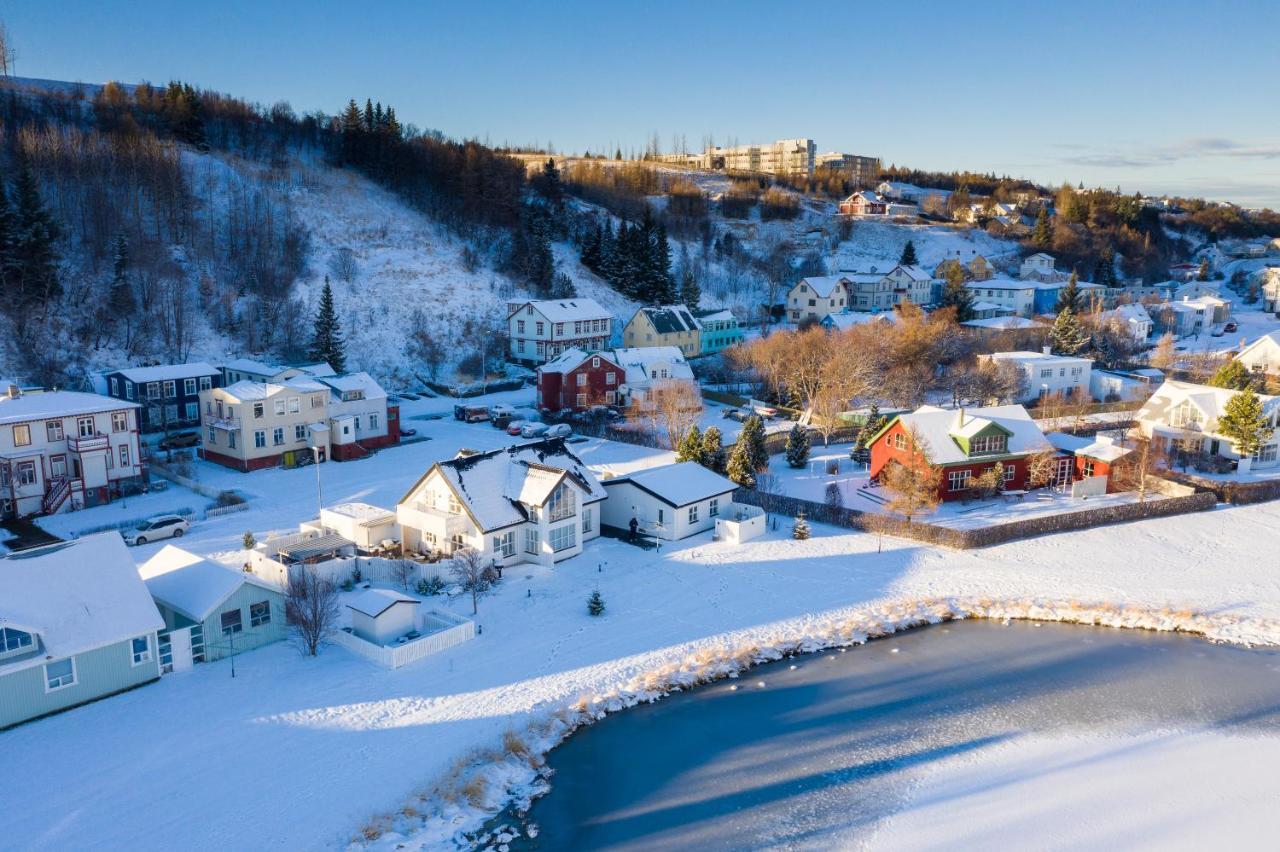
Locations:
(154, 529)
(534, 430)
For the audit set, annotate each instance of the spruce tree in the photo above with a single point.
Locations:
(1067, 337)
(956, 294)
(739, 467)
(1244, 422)
(1069, 296)
(327, 344)
(8, 242)
(752, 437)
(800, 528)
(690, 292)
(1233, 375)
(595, 603)
(713, 456)
(870, 426)
(797, 450)
(34, 256)
(908, 255)
(664, 284)
(690, 448)
(1042, 233)
(120, 299)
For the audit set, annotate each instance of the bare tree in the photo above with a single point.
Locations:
(1042, 468)
(671, 408)
(7, 53)
(311, 608)
(402, 570)
(424, 346)
(343, 266)
(473, 574)
(913, 483)
(1137, 471)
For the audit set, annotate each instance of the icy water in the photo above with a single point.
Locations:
(822, 751)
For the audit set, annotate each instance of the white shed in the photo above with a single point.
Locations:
(382, 616)
(361, 523)
(671, 502)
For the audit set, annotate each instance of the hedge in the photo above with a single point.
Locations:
(1236, 493)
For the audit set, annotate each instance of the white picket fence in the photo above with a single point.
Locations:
(374, 569)
(219, 511)
(449, 630)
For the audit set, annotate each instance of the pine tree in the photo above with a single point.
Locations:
(713, 456)
(664, 284)
(8, 243)
(1202, 274)
(120, 299)
(797, 450)
(591, 250)
(550, 184)
(908, 255)
(956, 295)
(800, 528)
(870, 427)
(690, 292)
(752, 437)
(327, 344)
(34, 257)
(1069, 296)
(1233, 375)
(1067, 337)
(595, 603)
(1042, 233)
(1244, 422)
(690, 448)
(739, 468)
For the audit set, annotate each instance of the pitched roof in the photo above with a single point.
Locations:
(670, 319)
(937, 426)
(714, 315)
(193, 586)
(572, 358)
(851, 318)
(374, 602)
(346, 382)
(1096, 447)
(915, 273)
(168, 372)
(822, 285)
(44, 404)
(77, 595)
(678, 484)
(566, 310)
(1269, 342)
(1208, 399)
(1003, 323)
(640, 362)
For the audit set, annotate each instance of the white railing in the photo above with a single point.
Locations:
(455, 631)
(219, 511)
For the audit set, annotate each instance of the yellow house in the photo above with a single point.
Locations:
(665, 325)
(978, 269)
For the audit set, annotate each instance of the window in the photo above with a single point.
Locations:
(693, 514)
(259, 613)
(231, 439)
(530, 540)
(1185, 414)
(580, 400)
(595, 362)
(153, 390)
(562, 503)
(317, 400)
(279, 407)
(357, 421)
(192, 411)
(988, 444)
(58, 465)
(128, 390)
(260, 438)
(21, 435)
(124, 455)
(115, 386)
(564, 537)
(12, 641)
(213, 436)
(958, 480)
(85, 426)
(295, 404)
(188, 387)
(458, 541)
(300, 432)
(714, 510)
(610, 397)
(26, 472)
(170, 416)
(373, 421)
(60, 674)
(519, 326)
(586, 521)
(582, 379)
(900, 441)
(206, 383)
(610, 378)
(53, 430)
(1088, 468)
(277, 436)
(170, 389)
(505, 545)
(538, 329)
(1266, 453)
(257, 411)
(559, 329)
(141, 650)
(231, 622)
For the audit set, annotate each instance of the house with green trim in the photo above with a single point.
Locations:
(76, 625)
(210, 611)
(719, 328)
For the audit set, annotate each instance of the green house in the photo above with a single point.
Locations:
(210, 611)
(76, 625)
(720, 330)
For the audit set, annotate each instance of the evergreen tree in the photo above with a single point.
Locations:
(713, 456)
(327, 344)
(120, 299)
(797, 450)
(739, 468)
(595, 603)
(1067, 337)
(664, 284)
(8, 242)
(752, 437)
(550, 185)
(908, 254)
(33, 257)
(1244, 422)
(617, 154)
(1069, 296)
(955, 294)
(690, 448)
(1042, 233)
(590, 255)
(1233, 375)
(1202, 274)
(690, 292)
(800, 528)
(870, 426)
(368, 115)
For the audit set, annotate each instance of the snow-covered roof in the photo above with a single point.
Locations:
(849, 319)
(1132, 312)
(822, 285)
(714, 315)
(495, 486)
(1003, 323)
(641, 362)
(191, 585)
(374, 602)
(347, 382)
(248, 365)
(301, 383)
(1262, 350)
(168, 372)
(1097, 447)
(1208, 399)
(77, 595)
(1001, 284)
(670, 319)
(678, 484)
(915, 273)
(937, 426)
(46, 404)
(248, 390)
(1038, 358)
(566, 310)
(363, 512)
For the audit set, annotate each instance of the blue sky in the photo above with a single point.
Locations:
(1159, 97)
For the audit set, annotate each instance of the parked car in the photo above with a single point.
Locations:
(560, 430)
(408, 433)
(534, 430)
(515, 426)
(501, 409)
(766, 411)
(734, 414)
(179, 440)
(471, 413)
(1231, 328)
(154, 529)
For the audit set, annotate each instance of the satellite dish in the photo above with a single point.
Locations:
(623, 389)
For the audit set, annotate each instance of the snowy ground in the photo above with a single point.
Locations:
(1252, 324)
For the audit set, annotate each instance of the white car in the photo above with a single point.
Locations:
(154, 529)
(501, 410)
(534, 430)
(560, 430)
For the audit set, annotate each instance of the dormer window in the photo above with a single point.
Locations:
(15, 642)
(1185, 415)
(988, 444)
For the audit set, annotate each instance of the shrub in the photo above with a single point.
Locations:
(595, 603)
(356, 576)
(227, 498)
(249, 541)
(779, 204)
(430, 586)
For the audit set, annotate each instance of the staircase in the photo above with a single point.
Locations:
(55, 498)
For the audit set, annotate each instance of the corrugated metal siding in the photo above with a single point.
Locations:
(100, 672)
(218, 646)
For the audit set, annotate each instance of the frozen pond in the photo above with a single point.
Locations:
(835, 743)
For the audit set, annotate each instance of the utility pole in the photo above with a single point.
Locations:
(319, 496)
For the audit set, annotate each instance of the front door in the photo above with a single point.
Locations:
(58, 466)
(1063, 476)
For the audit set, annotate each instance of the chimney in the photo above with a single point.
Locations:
(1046, 350)
(960, 418)
(14, 392)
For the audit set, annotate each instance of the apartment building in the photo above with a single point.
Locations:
(1048, 374)
(784, 157)
(540, 330)
(863, 171)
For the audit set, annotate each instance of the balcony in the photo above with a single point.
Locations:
(88, 443)
(229, 424)
(426, 518)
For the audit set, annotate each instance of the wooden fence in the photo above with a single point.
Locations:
(1235, 493)
(447, 630)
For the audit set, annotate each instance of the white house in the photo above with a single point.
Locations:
(870, 291)
(816, 296)
(382, 616)
(1199, 315)
(1017, 297)
(1263, 355)
(63, 449)
(1037, 267)
(540, 330)
(671, 502)
(363, 525)
(1183, 415)
(1271, 289)
(1048, 374)
(1133, 318)
(535, 502)
(913, 284)
(645, 367)
(249, 370)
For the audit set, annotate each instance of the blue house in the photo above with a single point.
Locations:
(76, 625)
(168, 393)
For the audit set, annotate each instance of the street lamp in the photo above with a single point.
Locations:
(315, 451)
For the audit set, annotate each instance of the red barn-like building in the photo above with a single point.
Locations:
(965, 444)
(1092, 457)
(577, 380)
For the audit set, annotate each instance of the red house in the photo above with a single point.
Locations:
(964, 444)
(1092, 457)
(577, 380)
(863, 203)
